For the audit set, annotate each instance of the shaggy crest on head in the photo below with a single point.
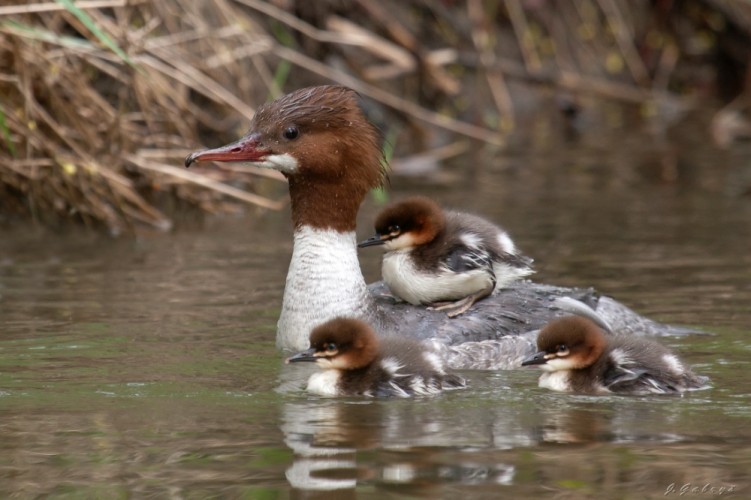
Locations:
(314, 136)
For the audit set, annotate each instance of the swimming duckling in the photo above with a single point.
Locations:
(356, 362)
(578, 356)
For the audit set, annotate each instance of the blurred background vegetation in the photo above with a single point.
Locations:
(100, 100)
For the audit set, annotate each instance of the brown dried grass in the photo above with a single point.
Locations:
(89, 132)
(92, 134)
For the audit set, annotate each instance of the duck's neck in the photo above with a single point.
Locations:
(324, 281)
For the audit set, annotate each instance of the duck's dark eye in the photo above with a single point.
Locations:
(561, 349)
(330, 346)
(291, 133)
(394, 229)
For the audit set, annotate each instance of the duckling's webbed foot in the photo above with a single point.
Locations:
(458, 307)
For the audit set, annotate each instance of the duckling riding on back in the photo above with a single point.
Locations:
(448, 260)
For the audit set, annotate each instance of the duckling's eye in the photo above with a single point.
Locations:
(561, 349)
(291, 133)
(330, 347)
(394, 229)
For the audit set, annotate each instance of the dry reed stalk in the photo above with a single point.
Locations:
(484, 42)
(11, 10)
(625, 39)
(77, 114)
(100, 102)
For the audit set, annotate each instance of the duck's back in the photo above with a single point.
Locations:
(516, 311)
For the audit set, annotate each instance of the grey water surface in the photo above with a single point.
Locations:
(145, 367)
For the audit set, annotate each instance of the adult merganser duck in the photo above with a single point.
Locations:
(448, 260)
(319, 138)
(578, 356)
(356, 363)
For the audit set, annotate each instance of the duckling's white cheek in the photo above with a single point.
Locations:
(406, 240)
(324, 383)
(325, 363)
(339, 363)
(558, 364)
(284, 163)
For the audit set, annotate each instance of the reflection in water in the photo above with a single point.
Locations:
(328, 436)
(414, 449)
(315, 455)
(477, 438)
(574, 426)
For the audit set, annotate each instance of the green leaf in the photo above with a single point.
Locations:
(284, 37)
(46, 35)
(92, 26)
(380, 195)
(6, 134)
(281, 74)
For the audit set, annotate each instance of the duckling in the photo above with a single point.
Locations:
(578, 356)
(445, 259)
(356, 362)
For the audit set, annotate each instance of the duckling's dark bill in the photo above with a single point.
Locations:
(308, 355)
(538, 358)
(372, 241)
